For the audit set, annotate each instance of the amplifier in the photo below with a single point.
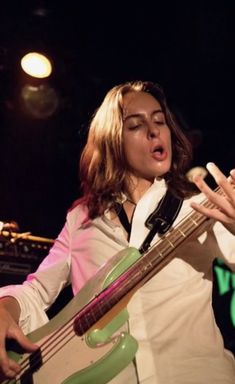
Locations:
(20, 254)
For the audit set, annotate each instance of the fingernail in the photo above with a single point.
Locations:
(210, 166)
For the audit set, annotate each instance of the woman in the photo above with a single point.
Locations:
(135, 152)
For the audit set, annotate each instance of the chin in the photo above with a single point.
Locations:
(162, 171)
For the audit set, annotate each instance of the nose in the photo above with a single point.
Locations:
(153, 130)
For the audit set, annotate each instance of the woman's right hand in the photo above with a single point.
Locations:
(9, 329)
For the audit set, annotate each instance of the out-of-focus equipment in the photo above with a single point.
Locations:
(20, 253)
(9, 226)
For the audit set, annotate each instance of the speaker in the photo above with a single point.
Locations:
(20, 254)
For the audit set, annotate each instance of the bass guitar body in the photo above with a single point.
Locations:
(64, 357)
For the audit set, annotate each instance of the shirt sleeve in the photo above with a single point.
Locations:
(226, 243)
(42, 287)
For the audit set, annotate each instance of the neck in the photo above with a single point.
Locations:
(136, 188)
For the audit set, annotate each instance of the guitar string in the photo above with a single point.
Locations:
(63, 331)
(196, 219)
(54, 337)
(184, 227)
(166, 249)
(44, 351)
(152, 263)
(35, 359)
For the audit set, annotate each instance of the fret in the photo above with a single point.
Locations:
(159, 254)
(181, 232)
(147, 266)
(174, 241)
(89, 319)
(163, 247)
(97, 311)
(193, 221)
(169, 241)
(175, 237)
(187, 228)
(107, 299)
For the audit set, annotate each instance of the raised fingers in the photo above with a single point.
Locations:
(225, 183)
(222, 201)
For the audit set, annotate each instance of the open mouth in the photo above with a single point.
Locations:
(159, 153)
(158, 149)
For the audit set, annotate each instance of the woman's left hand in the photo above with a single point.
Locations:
(223, 204)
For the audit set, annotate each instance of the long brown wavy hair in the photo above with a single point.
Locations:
(103, 167)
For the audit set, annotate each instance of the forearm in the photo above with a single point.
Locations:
(12, 306)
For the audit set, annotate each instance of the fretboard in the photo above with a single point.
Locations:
(148, 265)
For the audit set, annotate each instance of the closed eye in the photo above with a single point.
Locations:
(160, 122)
(159, 118)
(135, 127)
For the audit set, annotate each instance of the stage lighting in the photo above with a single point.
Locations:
(36, 65)
(39, 101)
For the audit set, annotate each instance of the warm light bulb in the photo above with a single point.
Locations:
(36, 65)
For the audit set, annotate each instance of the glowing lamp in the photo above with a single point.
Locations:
(36, 65)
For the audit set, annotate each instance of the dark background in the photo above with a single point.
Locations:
(187, 47)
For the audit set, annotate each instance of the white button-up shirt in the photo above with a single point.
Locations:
(171, 316)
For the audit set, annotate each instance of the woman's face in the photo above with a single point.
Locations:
(146, 136)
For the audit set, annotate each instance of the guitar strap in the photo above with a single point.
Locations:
(162, 218)
(159, 221)
(123, 218)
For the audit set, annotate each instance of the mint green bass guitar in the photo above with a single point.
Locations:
(84, 343)
(95, 354)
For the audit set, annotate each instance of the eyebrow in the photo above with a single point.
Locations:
(141, 114)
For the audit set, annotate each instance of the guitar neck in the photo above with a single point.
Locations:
(148, 265)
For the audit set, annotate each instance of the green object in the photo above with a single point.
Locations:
(108, 367)
(104, 352)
